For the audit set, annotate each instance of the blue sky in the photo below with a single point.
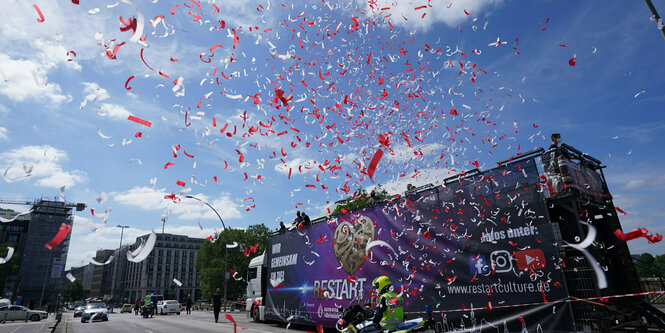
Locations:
(68, 119)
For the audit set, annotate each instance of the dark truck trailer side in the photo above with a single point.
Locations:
(482, 251)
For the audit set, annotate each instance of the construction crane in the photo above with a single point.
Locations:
(79, 206)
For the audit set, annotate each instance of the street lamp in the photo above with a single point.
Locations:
(226, 251)
(117, 260)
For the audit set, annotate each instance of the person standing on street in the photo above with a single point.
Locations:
(188, 304)
(216, 303)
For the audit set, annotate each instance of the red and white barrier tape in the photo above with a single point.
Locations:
(568, 300)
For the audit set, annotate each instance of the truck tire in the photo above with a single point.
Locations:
(255, 314)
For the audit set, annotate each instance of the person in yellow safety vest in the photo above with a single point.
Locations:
(146, 302)
(389, 311)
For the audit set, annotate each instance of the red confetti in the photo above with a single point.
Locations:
(620, 211)
(180, 183)
(139, 121)
(241, 157)
(375, 161)
(168, 165)
(127, 83)
(230, 318)
(41, 16)
(59, 237)
(571, 61)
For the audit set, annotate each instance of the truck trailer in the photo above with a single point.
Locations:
(526, 246)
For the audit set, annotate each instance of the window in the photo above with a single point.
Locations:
(168, 261)
(168, 253)
(161, 252)
(176, 253)
(191, 254)
(160, 261)
(12, 238)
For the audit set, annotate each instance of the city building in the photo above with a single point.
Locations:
(41, 271)
(173, 257)
(13, 234)
(101, 286)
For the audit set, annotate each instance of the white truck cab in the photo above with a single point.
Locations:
(256, 287)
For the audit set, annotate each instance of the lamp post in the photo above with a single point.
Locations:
(226, 251)
(117, 260)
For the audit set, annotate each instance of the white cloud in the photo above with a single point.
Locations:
(3, 134)
(47, 166)
(84, 243)
(27, 79)
(3, 108)
(437, 12)
(149, 199)
(114, 111)
(651, 181)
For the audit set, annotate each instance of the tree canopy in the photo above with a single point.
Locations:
(210, 259)
(74, 291)
(8, 268)
(649, 266)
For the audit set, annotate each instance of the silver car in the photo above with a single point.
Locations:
(78, 311)
(95, 311)
(18, 312)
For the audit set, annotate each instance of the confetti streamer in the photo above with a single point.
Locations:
(230, 318)
(4, 220)
(41, 16)
(375, 161)
(59, 237)
(10, 253)
(70, 277)
(588, 240)
(127, 82)
(96, 263)
(232, 246)
(145, 249)
(177, 282)
(139, 121)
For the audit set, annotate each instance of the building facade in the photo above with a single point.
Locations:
(173, 257)
(101, 286)
(41, 271)
(13, 234)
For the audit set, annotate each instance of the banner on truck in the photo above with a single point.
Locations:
(480, 242)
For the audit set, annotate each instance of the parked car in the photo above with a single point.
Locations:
(126, 308)
(168, 306)
(78, 311)
(18, 312)
(95, 311)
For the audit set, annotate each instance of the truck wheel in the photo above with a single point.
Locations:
(34, 317)
(255, 314)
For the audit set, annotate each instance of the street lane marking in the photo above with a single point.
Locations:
(148, 331)
(16, 329)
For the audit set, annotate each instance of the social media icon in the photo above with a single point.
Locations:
(501, 261)
(530, 259)
(478, 265)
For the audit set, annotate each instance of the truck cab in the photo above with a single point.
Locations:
(256, 287)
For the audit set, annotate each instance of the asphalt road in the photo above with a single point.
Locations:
(21, 326)
(198, 321)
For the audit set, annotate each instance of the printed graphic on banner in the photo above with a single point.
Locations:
(480, 241)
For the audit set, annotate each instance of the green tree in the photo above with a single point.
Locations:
(8, 268)
(645, 265)
(659, 264)
(210, 259)
(74, 291)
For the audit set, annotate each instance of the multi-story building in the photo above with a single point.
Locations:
(13, 234)
(174, 256)
(101, 286)
(87, 279)
(41, 271)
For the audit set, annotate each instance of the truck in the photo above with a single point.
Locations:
(528, 245)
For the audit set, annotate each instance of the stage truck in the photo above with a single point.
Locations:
(527, 246)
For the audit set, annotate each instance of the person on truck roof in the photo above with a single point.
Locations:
(389, 311)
